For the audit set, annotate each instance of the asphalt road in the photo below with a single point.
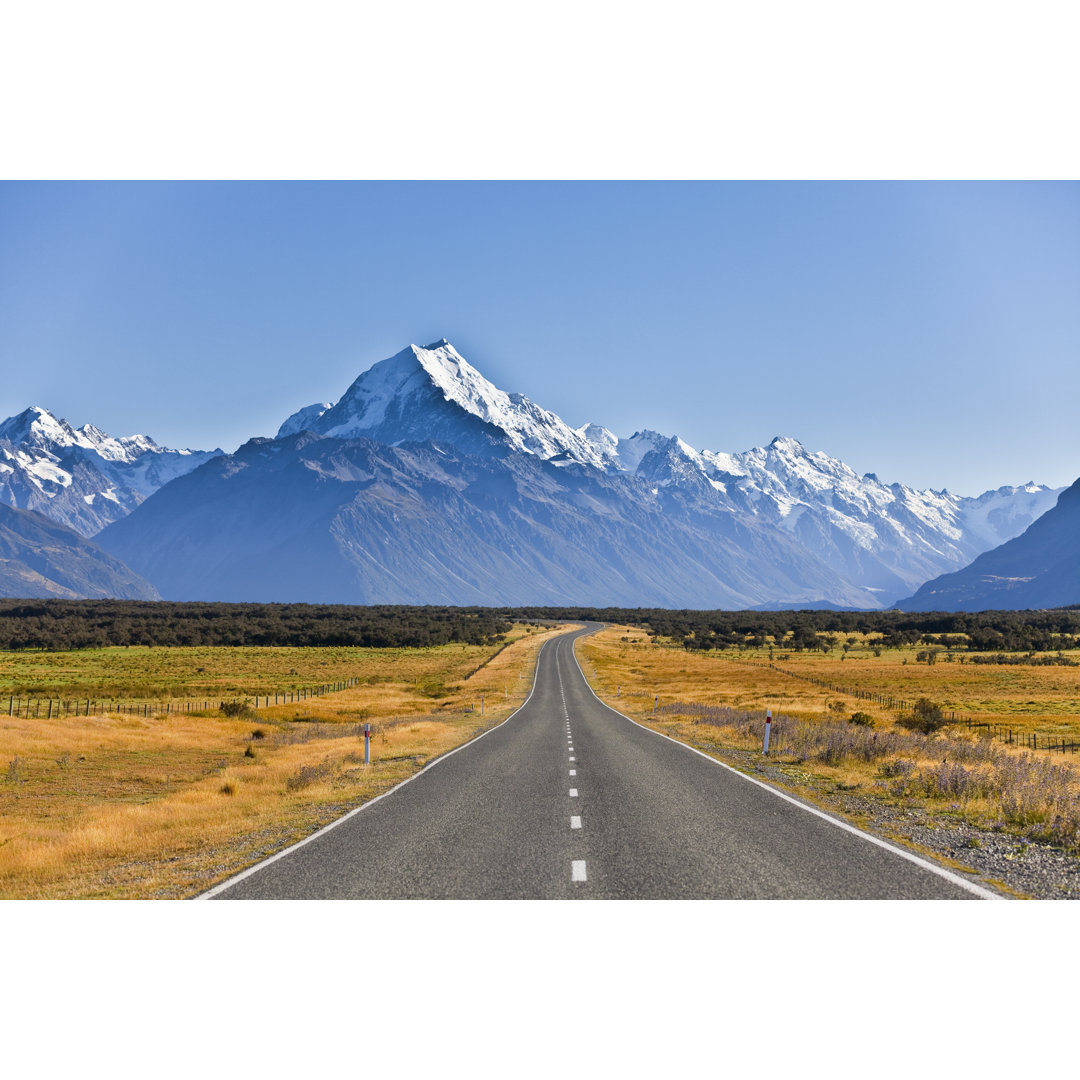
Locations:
(570, 800)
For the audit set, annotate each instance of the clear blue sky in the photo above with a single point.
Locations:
(928, 332)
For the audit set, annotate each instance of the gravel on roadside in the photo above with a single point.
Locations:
(1026, 868)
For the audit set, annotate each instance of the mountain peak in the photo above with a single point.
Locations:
(37, 425)
(429, 392)
(785, 443)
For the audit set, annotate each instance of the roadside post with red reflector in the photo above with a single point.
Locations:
(367, 744)
(768, 725)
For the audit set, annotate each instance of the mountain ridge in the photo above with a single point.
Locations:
(41, 558)
(835, 537)
(82, 477)
(1039, 568)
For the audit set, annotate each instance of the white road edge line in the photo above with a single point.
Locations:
(228, 883)
(577, 870)
(969, 886)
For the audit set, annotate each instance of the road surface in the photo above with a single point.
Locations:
(570, 800)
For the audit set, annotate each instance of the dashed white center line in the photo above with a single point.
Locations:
(575, 823)
(573, 759)
(577, 871)
(573, 772)
(573, 793)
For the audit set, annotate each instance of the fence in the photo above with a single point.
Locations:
(1031, 740)
(47, 708)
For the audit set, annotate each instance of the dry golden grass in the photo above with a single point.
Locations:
(1026, 698)
(629, 673)
(120, 806)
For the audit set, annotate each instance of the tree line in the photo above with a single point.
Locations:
(86, 624)
(79, 624)
(990, 631)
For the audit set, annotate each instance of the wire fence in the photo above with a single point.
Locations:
(1031, 740)
(49, 707)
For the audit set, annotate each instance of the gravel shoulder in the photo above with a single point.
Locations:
(1013, 865)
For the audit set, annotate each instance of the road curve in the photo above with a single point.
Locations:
(568, 799)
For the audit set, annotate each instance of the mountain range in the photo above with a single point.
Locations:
(82, 477)
(1038, 569)
(427, 483)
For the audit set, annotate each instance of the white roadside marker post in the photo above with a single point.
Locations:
(367, 744)
(768, 725)
(655, 702)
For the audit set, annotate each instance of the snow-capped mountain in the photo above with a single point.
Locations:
(303, 419)
(318, 519)
(886, 539)
(1040, 568)
(425, 482)
(435, 393)
(82, 477)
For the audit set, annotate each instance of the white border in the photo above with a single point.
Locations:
(230, 882)
(977, 890)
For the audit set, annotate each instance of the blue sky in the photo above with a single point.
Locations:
(928, 332)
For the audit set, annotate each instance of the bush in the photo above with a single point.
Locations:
(236, 708)
(861, 719)
(309, 774)
(926, 718)
(896, 767)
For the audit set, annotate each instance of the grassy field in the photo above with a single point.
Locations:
(1025, 697)
(165, 806)
(147, 673)
(716, 701)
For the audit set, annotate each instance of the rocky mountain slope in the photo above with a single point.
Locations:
(883, 539)
(1038, 569)
(82, 477)
(321, 519)
(427, 483)
(40, 558)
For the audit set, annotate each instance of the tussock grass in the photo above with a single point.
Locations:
(850, 743)
(122, 806)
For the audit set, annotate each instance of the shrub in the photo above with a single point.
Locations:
(861, 719)
(896, 767)
(926, 717)
(236, 708)
(309, 774)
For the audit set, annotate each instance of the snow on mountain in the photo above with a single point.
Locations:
(303, 419)
(82, 477)
(433, 393)
(832, 535)
(1040, 568)
(605, 442)
(885, 538)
